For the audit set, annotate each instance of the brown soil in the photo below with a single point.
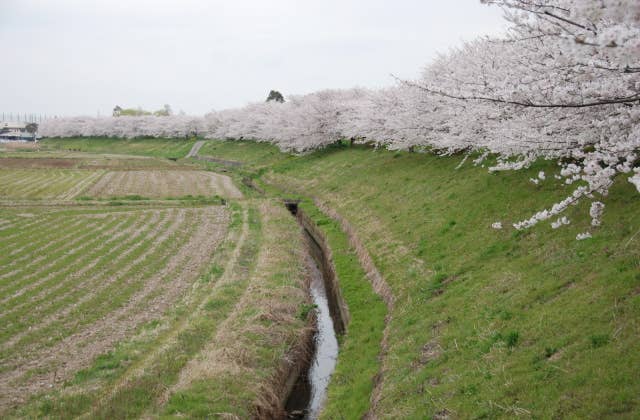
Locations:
(20, 145)
(162, 184)
(30, 163)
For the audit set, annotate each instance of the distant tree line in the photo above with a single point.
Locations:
(118, 111)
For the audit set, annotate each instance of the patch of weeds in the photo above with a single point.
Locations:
(422, 247)
(134, 197)
(599, 340)
(468, 390)
(505, 315)
(495, 249)
(151, 325)
(436, 287)
(512, 339)
(306, 309)
(549, 351)
(216, 270)
(447, 227)
(214, 304)
(199, 199)
(105, 365)
(129, 197)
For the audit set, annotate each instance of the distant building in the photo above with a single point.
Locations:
(18, 131)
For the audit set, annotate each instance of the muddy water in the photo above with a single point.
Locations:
(326, 344)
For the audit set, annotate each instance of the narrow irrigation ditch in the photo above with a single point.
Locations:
(307, 395)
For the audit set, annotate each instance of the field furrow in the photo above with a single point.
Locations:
(22, 224)
(81, 186)
(20, 253)
(54, 248)
(49, 291)
(88, 285)
(23, 281)
(81, 277)
(255, 336)
(38, 182)
(44, 183)
(110, 275)
(55, 291)
(211, 304)
(9, 248)
(163, 184)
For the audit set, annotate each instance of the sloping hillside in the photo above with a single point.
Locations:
(487, 322)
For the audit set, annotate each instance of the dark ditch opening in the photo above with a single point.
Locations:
(292, 206)
(309, 392)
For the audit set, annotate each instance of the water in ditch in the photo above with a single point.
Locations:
(326, 343)
(310, 391)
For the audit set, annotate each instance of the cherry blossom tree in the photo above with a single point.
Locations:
(563, 83)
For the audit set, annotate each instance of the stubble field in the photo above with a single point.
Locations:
(130, 283)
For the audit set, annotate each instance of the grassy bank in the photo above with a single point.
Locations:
(359, 360)
(487, 323)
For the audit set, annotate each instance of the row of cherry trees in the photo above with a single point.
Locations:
(563, 83)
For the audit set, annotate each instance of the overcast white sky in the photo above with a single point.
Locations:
(71, 57)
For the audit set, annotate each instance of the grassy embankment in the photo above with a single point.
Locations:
(487, 323)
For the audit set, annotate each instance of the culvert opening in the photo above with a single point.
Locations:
(292, 206)
(308, 395)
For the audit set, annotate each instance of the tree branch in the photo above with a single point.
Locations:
(622, 100)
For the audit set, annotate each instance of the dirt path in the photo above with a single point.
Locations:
(195, 149)
(221, 182)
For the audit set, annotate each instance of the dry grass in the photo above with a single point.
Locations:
(252, 343)
(10, 146)
(163, 184)
(32, 163)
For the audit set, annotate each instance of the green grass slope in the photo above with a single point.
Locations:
(487, 323)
